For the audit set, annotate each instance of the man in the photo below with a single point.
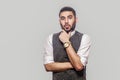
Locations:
(66, 52)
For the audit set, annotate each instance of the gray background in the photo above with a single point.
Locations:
(25, 25)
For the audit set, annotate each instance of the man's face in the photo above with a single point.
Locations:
(67, 21)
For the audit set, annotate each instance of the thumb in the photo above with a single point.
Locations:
(63, 30)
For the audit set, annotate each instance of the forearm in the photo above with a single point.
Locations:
(57, 66)
(74, 58)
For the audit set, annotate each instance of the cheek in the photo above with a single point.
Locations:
(71, 23)
(62, 22)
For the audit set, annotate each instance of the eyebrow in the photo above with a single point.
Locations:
(67, 16)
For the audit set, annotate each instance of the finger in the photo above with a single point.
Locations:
(63, 30)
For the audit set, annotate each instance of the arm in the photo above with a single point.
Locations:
(57, 66)
(74, 58)
(79, 59)
(49, 63)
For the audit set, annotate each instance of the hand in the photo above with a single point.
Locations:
(64, 37)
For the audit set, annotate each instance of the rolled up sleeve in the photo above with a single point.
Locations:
(84, 49)
(48, 51)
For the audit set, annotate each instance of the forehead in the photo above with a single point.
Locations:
(66, 13)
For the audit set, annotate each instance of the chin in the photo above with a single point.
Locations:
(67, 31)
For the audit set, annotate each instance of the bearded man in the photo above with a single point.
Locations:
(66, 52)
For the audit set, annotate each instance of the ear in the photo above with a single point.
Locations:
(59, 19)
(76, 19)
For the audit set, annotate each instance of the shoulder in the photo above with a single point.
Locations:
(86, 38)
(57, 33)
(84, 35)
(50, 36)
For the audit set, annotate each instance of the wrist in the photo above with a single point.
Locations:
(66, 44)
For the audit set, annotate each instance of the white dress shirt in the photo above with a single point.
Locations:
(83, 50)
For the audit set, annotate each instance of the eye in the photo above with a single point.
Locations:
(62, 17)
(70, 16)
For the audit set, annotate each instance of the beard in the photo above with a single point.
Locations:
(72, 28)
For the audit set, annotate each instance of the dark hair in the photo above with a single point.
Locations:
(67, 9)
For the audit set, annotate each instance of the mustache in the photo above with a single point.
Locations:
(66, 24)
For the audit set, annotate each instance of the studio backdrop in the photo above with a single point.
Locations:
(26, 24)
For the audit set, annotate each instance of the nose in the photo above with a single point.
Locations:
(66, 20)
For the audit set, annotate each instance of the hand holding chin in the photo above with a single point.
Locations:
(64, 36)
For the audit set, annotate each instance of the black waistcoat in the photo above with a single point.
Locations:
(60, 55)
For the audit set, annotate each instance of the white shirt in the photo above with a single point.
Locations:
(83, 50)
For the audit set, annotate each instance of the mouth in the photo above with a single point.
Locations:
(67, 27)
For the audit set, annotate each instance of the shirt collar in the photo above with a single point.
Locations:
(72, 33)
